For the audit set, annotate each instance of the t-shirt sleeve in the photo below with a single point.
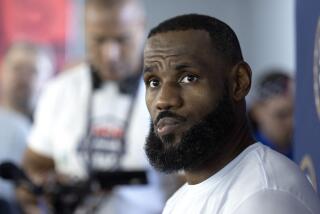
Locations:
(272, 202)
(39, 139)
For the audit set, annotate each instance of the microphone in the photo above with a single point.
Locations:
(10, 171)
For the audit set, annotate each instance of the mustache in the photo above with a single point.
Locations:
(164, 114)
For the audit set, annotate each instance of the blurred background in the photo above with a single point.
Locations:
(266, 29)
(273, 34)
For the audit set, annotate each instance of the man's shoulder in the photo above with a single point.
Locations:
(277, 169)
(276, 201)
(71, 79)
(264, 171)
(77, 73)
(10, 118)
(257, 175)
(14, 128)
(267, 169)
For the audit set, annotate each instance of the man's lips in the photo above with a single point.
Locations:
(167, 125)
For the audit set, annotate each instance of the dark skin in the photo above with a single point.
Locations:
(18, 77)
(114, 38)
(183, 74)
(38, 168)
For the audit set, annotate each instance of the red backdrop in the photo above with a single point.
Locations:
(40, 21)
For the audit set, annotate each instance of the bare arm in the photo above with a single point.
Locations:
(39, 168)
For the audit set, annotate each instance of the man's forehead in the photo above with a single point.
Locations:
(122, 13)
(22, 56)
(186, 41)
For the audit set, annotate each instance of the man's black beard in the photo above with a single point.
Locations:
(203, 142)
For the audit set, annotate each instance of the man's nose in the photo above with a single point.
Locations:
(169, 97)
(110, 51)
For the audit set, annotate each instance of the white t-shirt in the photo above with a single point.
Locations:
(60, 128)
(258, 181)
(62, 116)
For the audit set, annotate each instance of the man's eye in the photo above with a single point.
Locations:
(98, 40)
(123, 39)
(153, 83)
(189, 79)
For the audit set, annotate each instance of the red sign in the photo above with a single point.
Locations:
(38, 21)
(42, 21)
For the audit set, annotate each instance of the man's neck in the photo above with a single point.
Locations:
(234, 145)
(9, 105)
(127, 85)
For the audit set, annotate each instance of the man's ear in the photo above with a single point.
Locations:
(241, 80)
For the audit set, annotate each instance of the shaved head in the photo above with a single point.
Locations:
(114, 37)
(18, 49)
(116, 4)
(18, 77)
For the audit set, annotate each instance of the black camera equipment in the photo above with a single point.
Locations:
(65, 198)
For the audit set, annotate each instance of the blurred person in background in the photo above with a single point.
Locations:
(18, 75)
(22, 72)
(271, 112)
(93, 116)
